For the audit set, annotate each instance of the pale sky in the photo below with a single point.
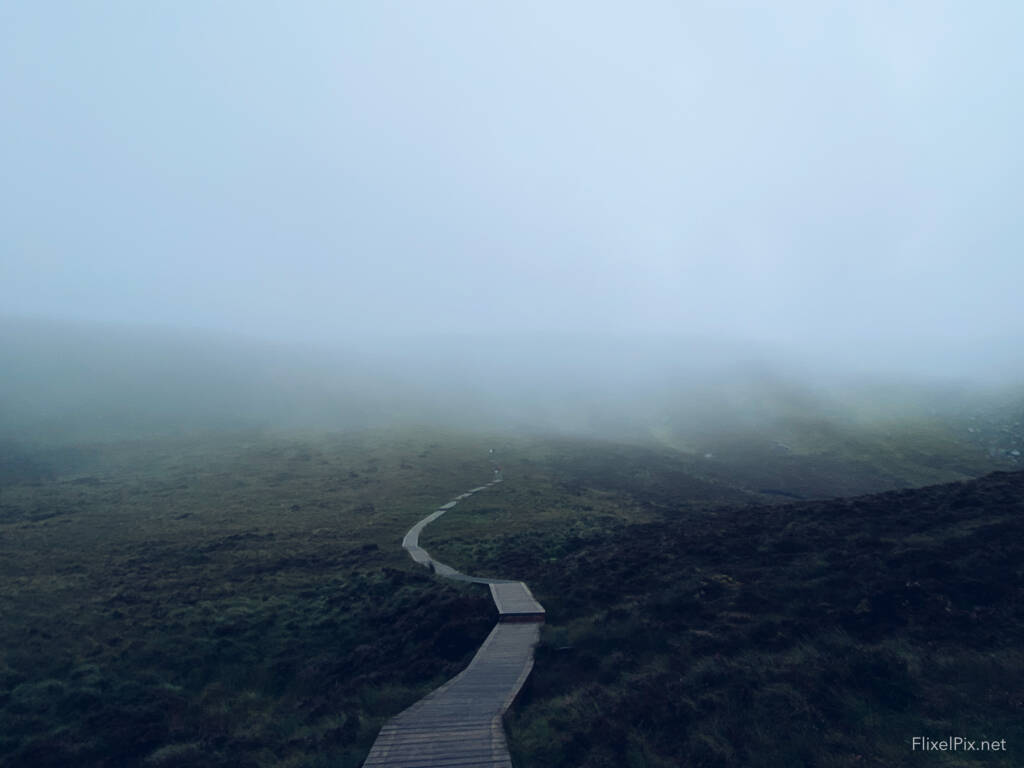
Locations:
(801, 173)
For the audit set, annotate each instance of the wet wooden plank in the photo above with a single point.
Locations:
(459, 724)
(514, 599)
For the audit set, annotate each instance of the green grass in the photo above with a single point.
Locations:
(244, 600)
(819, 634)
(235, 602)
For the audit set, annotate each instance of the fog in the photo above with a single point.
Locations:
(84, 383)
(579, 217)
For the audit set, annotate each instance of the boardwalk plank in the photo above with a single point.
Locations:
(459, 724)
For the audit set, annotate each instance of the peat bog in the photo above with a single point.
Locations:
(243, 600)
(223, 602)
(711, 633)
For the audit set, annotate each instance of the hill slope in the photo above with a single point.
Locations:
(817, 634)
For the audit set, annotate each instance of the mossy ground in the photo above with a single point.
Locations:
(825, 633)
(239, 601)
(243, 600)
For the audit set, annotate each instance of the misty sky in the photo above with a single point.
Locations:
(802, 173)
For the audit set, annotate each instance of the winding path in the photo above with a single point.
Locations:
(459, 724)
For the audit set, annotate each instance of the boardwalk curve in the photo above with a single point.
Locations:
(459, 724)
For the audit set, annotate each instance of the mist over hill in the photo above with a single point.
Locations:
(68, 383)
(729, 292)
(396, 217)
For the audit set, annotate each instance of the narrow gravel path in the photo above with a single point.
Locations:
(459, 724)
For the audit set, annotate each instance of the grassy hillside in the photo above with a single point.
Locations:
(233, 602)
(823, 633)
(243, 600)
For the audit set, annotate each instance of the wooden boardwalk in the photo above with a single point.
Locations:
(515, 602)
(459, 724)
